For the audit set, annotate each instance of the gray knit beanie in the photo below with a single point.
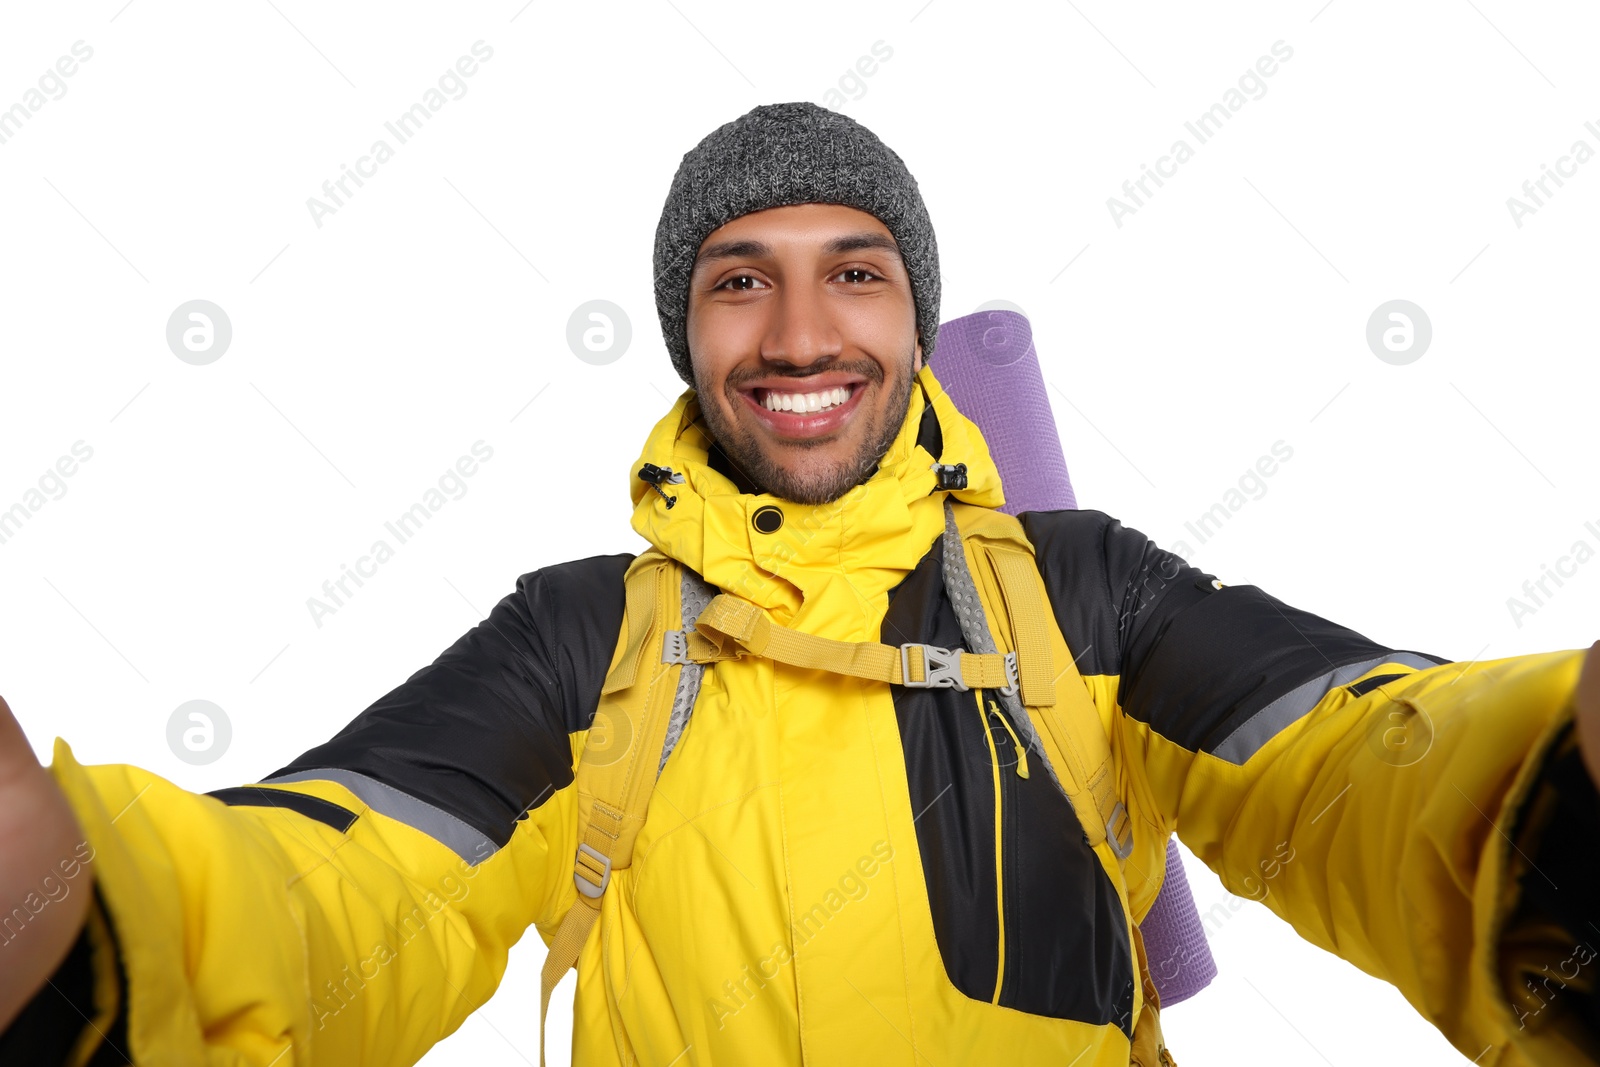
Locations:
(780, 154)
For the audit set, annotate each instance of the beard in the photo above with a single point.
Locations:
(803, 486)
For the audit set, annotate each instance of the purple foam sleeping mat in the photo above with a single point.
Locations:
(988, 365)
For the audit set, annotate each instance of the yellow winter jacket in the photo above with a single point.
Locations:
(843, 871)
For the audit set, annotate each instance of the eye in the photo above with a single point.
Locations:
(857, 270)
(737, 278)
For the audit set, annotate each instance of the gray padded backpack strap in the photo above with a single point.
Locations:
(963, 594)
(696, 595)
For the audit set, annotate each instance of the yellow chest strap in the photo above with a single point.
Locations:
(732, 627)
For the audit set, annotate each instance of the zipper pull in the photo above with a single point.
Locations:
(1022, 754)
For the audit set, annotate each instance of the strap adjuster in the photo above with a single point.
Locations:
(1119, 814)
(675, 647)
(941, 667)
(586, 887)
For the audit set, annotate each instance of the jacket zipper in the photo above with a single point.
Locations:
(999, 851)
(1005, 845)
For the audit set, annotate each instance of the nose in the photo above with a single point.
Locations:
(801, 330)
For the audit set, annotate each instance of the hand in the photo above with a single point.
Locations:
(1588, 712)
(37, 833)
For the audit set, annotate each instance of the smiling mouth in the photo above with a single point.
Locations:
(810, 415)
(804, 403)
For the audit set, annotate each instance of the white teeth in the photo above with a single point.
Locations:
(807, 402)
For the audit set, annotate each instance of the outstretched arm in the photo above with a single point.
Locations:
(355, 906)
(1388, 804)
(40, 863)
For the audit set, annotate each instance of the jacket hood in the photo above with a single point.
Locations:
(830, 564)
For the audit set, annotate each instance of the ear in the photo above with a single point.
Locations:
(916, 362)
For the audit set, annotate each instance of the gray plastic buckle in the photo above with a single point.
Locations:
(1011, 673)
(942, 667)
(584, 885)
(675, 647)
(1119, 814)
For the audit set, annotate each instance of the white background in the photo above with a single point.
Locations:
(430, 312)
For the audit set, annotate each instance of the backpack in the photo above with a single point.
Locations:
(654, 678)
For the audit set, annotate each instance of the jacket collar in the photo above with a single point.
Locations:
(828, 567)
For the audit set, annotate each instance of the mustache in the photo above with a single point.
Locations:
(866, 368)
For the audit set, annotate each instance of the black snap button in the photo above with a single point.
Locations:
(767, 519)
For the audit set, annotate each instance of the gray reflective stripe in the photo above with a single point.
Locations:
(437, 823)
(963, 594)
(1264, 725)
(696, 595)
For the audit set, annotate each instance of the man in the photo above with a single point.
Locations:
(845, 859)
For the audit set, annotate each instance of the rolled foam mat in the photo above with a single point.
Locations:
(987, 363)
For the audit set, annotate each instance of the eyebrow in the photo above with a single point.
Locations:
(751, 249)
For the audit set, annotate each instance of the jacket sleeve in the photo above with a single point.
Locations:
(1370, 796)
(355, 906)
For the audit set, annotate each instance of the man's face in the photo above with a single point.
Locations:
(803, 341)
